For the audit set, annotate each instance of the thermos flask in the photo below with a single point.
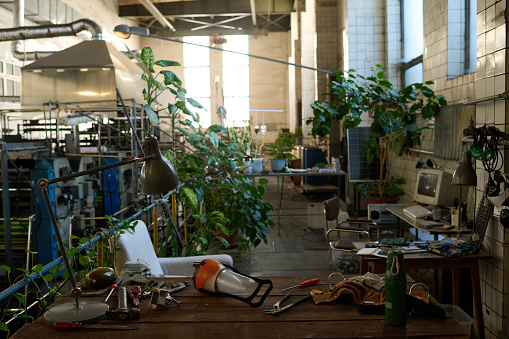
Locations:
(395, 289)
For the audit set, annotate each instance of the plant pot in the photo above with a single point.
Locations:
(257, 167)
(383, 200)
(296, 163)
(278, 165)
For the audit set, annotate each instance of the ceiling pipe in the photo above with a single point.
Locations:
(20, 32)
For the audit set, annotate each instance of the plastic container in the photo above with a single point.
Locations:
(257, 167)
(459, 315)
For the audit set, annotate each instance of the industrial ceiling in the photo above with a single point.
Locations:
(173, 18)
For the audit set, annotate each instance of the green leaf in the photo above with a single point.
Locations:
(263, 181)
(37, 268)
(171, 77)
(167, 63)
(5, 268)
(213, 139)
(48, 277)
(194, 103)
(147, 56)
(4, 327)
(190, 195)
(152, 116)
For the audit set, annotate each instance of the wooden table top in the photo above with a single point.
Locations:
(207, 316)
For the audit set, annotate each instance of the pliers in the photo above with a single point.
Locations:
(277, 309)
(135, 297)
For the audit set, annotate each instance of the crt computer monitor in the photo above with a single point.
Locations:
(433, 187)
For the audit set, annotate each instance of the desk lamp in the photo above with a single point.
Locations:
(157, 176)
(464, 175)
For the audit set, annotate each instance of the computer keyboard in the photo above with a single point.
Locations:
(417, 211)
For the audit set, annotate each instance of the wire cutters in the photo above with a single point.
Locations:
(135, 297)
(277, 309)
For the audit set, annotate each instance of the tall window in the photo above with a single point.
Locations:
(236, 80)
(413, 41)
(461, 37)
(197, 75)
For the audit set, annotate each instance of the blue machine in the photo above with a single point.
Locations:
(111, 187)
(310, 157)
(47, 248)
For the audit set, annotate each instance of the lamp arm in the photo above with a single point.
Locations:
(44, 183)
(75, 291)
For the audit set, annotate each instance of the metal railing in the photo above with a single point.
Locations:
(106, 233)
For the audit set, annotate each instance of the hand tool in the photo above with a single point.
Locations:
(66, 326)
(306, 283)
(122, 312)
(114, 287)
(135, 297)
(150, 287)
(277, 309)
(161, 297)
(178, 287)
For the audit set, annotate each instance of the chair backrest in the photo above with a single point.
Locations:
(136, 245)
(331, 208)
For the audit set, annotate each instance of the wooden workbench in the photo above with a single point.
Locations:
(206, 316)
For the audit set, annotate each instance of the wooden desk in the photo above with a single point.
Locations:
(205, 316)
(428, 260)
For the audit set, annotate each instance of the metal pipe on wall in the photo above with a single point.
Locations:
(21, 32)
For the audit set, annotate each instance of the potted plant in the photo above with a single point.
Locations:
(226, 207)
(393, 115)
(282, 148)
(221, 203)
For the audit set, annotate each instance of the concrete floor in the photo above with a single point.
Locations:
(293, 248)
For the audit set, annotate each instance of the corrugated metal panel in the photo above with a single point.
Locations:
(447, 144)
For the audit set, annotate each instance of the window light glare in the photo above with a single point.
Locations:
(60, 70)
(83, 69)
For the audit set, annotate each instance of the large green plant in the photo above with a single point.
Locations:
(224, 203)
(221, 202)
(393, 118)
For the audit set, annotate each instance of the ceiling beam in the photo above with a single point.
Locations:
(253, 11)
(156, 14)
(207, 8)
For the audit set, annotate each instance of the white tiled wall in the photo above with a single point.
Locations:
(491, 80)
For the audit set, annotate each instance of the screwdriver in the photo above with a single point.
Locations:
(113, 287)
(306, 283)
(66, 326)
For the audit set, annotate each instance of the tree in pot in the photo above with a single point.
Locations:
(281, 149)
(220, 202)
(394, 119)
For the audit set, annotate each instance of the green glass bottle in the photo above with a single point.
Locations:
(395, 289)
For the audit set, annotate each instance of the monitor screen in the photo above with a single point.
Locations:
(427, 184)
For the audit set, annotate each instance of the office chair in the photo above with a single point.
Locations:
(138, 245)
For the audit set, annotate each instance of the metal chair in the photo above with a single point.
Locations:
(332, 210)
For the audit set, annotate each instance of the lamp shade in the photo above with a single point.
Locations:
(157, 174)
(465, 173)
(124, 31)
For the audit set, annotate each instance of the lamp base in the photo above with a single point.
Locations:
(90, 312)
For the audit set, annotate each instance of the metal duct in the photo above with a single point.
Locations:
(19, 32)
(51, 31)
(48, 31)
